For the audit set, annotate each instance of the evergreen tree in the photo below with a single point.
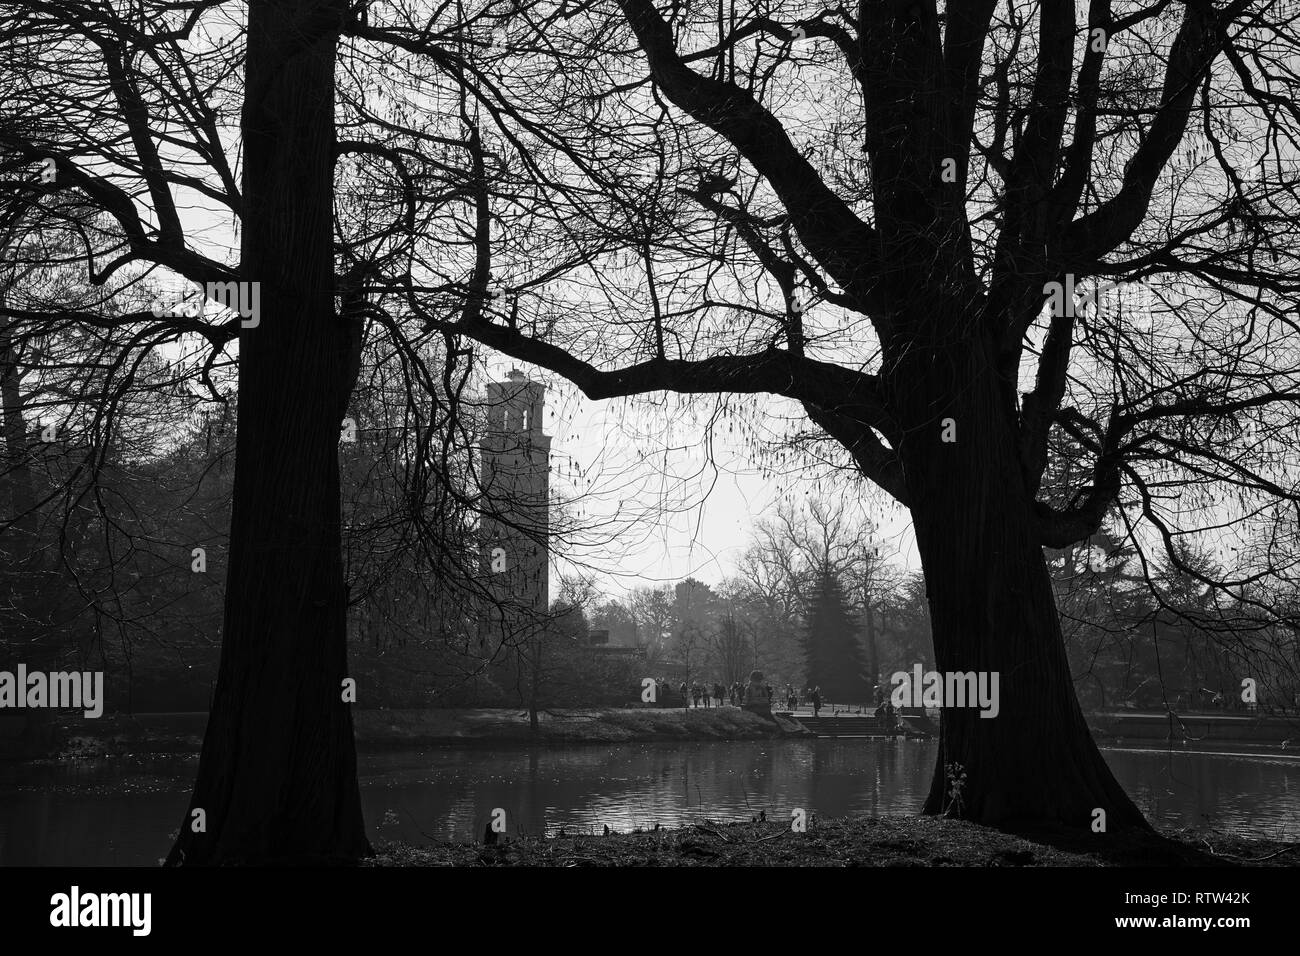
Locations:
(835, 660)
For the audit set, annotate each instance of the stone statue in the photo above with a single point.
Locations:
(756, 695)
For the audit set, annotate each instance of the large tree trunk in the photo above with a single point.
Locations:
(991, 603)
(277, 777)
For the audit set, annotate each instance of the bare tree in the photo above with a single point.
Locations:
(904, 218)
(187, 130)
(731, 646)
(652, 610)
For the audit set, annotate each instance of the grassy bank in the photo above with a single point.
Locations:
(846, 842)
(377, 730)
(382, 729)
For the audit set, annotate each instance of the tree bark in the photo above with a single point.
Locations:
(277, 775)
(991, 602)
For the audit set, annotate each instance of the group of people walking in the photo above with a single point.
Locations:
(704, 694)
(713, 695)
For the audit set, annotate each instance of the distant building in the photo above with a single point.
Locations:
(608, 652)
(515, 478)
(598, 647)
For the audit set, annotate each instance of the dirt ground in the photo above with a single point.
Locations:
(850, 841)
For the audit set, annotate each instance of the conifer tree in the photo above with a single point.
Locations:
(835, 662)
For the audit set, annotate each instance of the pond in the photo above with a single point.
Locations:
(120, 812)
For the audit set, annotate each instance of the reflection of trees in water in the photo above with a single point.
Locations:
(62, 816)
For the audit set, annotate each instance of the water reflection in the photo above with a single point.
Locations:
(120, 812)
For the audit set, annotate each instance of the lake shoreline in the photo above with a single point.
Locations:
(70, 738)
(378, 731)
(849, 842)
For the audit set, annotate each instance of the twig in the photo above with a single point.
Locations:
(720, 836)
(1251, 859)
(417, 825)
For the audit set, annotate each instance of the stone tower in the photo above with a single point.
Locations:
(516, 484)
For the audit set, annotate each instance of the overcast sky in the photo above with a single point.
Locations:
(690, 491)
